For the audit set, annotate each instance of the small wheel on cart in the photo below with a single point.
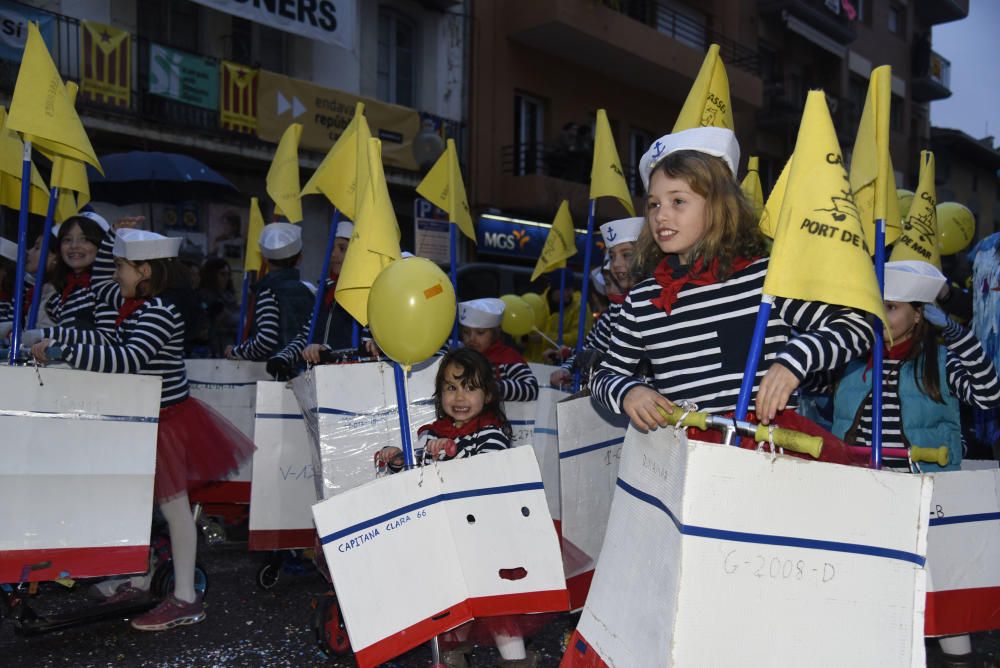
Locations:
(163, 579)
(328, 626)
(268, 576)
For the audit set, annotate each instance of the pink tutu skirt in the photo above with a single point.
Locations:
(194, 446)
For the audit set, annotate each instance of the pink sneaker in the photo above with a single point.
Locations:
(169, 613)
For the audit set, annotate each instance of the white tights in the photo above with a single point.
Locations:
(183, 544)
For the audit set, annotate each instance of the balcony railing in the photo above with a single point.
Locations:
(688, 30)
(931, 75)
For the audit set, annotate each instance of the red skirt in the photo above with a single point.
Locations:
(194, 446)
(835, 451)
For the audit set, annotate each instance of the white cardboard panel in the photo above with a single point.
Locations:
(734, 541)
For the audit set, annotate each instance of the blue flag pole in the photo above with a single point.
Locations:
(404, 413)
(753, 357)
(584, 304)
(453, 250)
(878, 362)
(243, 307)
(321, 283)
(43, 255)
(22, 248)
(562, 305)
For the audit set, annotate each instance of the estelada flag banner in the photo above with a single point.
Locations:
(751, 186)
(343, 174)
(252, 260)
(106, 55)
(444, 188)
(559, 244)
(238, 97)
(606, 176)
(283, 176)
(708, 104)
(919, 240)
(41, 109)
(11, 162)
(872, 178)
(819, 251)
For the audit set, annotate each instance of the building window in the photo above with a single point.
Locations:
(896, 115)
(681, 22)
(172, 24)
(241, 44)
(639, 142)
(396, 58)
(529, 126)
(272, 52)
(864, 11)
(897, 19)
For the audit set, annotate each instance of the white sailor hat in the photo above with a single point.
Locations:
(720, 142)
(912, 281)
(8, 249)
(621, 230)
(97, 218)
(345, 229)
(137, 245)
(280, 240)
(481, 313)
(598, 279)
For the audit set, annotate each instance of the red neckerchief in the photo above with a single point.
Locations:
(74, 281)
(695, 275)
(899, 351)
(501, 353)
(331, 292)
(127, 309)
(616, 299)
(445, 427)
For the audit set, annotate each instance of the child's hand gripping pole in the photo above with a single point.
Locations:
(785, 438)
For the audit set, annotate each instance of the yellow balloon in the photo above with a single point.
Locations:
(539, 306)
(905, 200)
(411, 310)
(518, 316)
(956, 227)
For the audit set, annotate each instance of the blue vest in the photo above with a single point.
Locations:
(295, 302)
(926, 423)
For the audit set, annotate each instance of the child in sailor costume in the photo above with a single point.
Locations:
(480, 329)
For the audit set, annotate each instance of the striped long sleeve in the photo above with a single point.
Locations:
(699, 350)
(488, 439)
(599, 336)
(150, 341)
(971, 375)
(517, 382)
(6, 310)
(266, 335)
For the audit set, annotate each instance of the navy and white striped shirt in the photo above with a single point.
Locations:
(487, 439)
(971, 378)
(599, 336)
(6, 310)
(698, 352)
(265, 340)
(78, 308)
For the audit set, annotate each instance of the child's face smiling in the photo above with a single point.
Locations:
(675, 215)
(621, 260)
(460, 402)
(478, 338)
(128, 276)
(78, 252)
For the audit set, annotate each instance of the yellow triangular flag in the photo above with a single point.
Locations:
(606, 176)
(252, 260)
(872, 178)
(337, 176)
(374, 243)
(772, 208)
(443, 187)
(70, 176)
(11, 164)
(919, 240)
(707, 103)
(559, 244)
(819, 251)
(751, 186)
(41, 110)
(283, 176)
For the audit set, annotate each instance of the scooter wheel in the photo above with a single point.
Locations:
(268, 576)
(163, 579)
(328, 625)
